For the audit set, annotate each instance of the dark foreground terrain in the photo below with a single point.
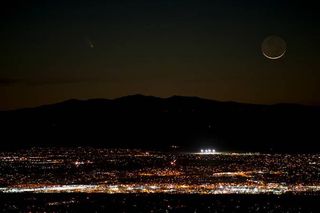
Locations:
(157, 203)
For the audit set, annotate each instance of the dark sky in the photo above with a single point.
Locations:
(52, 50)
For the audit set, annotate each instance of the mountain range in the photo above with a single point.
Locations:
(139, 121)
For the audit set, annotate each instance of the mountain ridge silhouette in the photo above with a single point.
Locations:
(156, 123)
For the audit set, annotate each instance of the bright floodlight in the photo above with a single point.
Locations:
(207, 151)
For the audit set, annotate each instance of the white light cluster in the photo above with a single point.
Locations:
(207, 151)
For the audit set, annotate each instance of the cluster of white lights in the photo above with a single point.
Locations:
(207, 151)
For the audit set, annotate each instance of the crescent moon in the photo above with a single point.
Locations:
(273, 47)
(274, 58)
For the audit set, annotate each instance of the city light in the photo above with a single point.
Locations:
(91, 170)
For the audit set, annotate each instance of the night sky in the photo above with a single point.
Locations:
(53, 50)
